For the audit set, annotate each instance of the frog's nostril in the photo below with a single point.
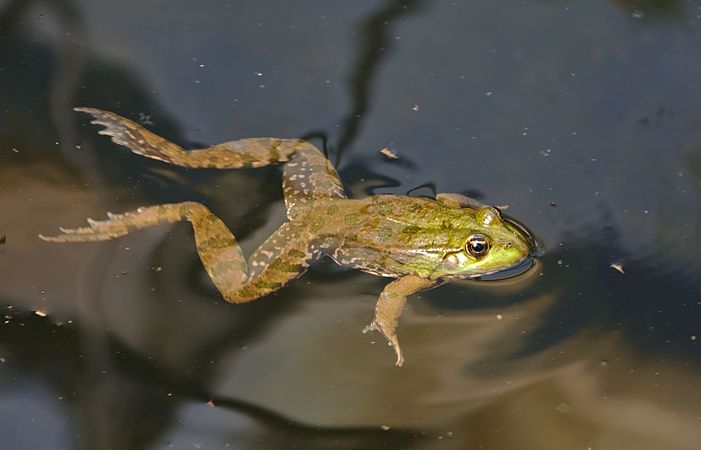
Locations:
(524, 232)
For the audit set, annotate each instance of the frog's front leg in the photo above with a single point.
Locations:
(390, 306)
(284, 256)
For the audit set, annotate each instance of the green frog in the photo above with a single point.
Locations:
(419, 242)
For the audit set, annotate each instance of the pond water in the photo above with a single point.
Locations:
(584, 117)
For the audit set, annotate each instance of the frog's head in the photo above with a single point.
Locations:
(495, 243)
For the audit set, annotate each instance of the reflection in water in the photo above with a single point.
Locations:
(374, 46)
(135, 380)
(136, 342)
(642, 8)
(106, 403)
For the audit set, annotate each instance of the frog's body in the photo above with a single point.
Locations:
(419, 241)
(395, 235)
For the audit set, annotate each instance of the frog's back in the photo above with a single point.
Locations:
(392, 235)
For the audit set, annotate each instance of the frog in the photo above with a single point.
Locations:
(418, 242)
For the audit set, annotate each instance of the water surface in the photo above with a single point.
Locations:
(582, 116)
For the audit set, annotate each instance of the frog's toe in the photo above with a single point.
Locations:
(97, 230)
(372, 327)
(400, 357)
(77, 236)
(394, 343)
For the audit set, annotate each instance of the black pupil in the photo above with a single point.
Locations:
(478, 246)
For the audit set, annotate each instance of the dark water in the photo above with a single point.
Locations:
(583, 116)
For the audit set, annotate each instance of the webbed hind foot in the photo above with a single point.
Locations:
(117, 225)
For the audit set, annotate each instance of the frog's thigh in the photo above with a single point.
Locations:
(252, 152)
(285, 255)
(390, 306)
(307, 177)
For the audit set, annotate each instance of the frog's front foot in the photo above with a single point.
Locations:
(389, 308)
(389, 333)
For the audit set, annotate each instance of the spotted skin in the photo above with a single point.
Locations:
(418, 241)
(243, 153)
(308, 178)
(284, 256)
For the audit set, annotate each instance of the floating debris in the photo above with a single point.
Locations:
(618, 267)
(145, 119)
(389, 153)
(40, 313)
(499, 317)
(14, 150)
(415, 107)
(385, 427)
(211, 404)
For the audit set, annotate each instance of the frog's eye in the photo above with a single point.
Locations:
(477, 245)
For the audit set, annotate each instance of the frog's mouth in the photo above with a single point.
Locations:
(519, 268)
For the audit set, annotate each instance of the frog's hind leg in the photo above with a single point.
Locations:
(284, 256)
(307, 178)
(252, 152)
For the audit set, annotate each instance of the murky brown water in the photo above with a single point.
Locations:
(584, 117)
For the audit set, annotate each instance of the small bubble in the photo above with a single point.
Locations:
(563, 408)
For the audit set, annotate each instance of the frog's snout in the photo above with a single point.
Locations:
(525, 233)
